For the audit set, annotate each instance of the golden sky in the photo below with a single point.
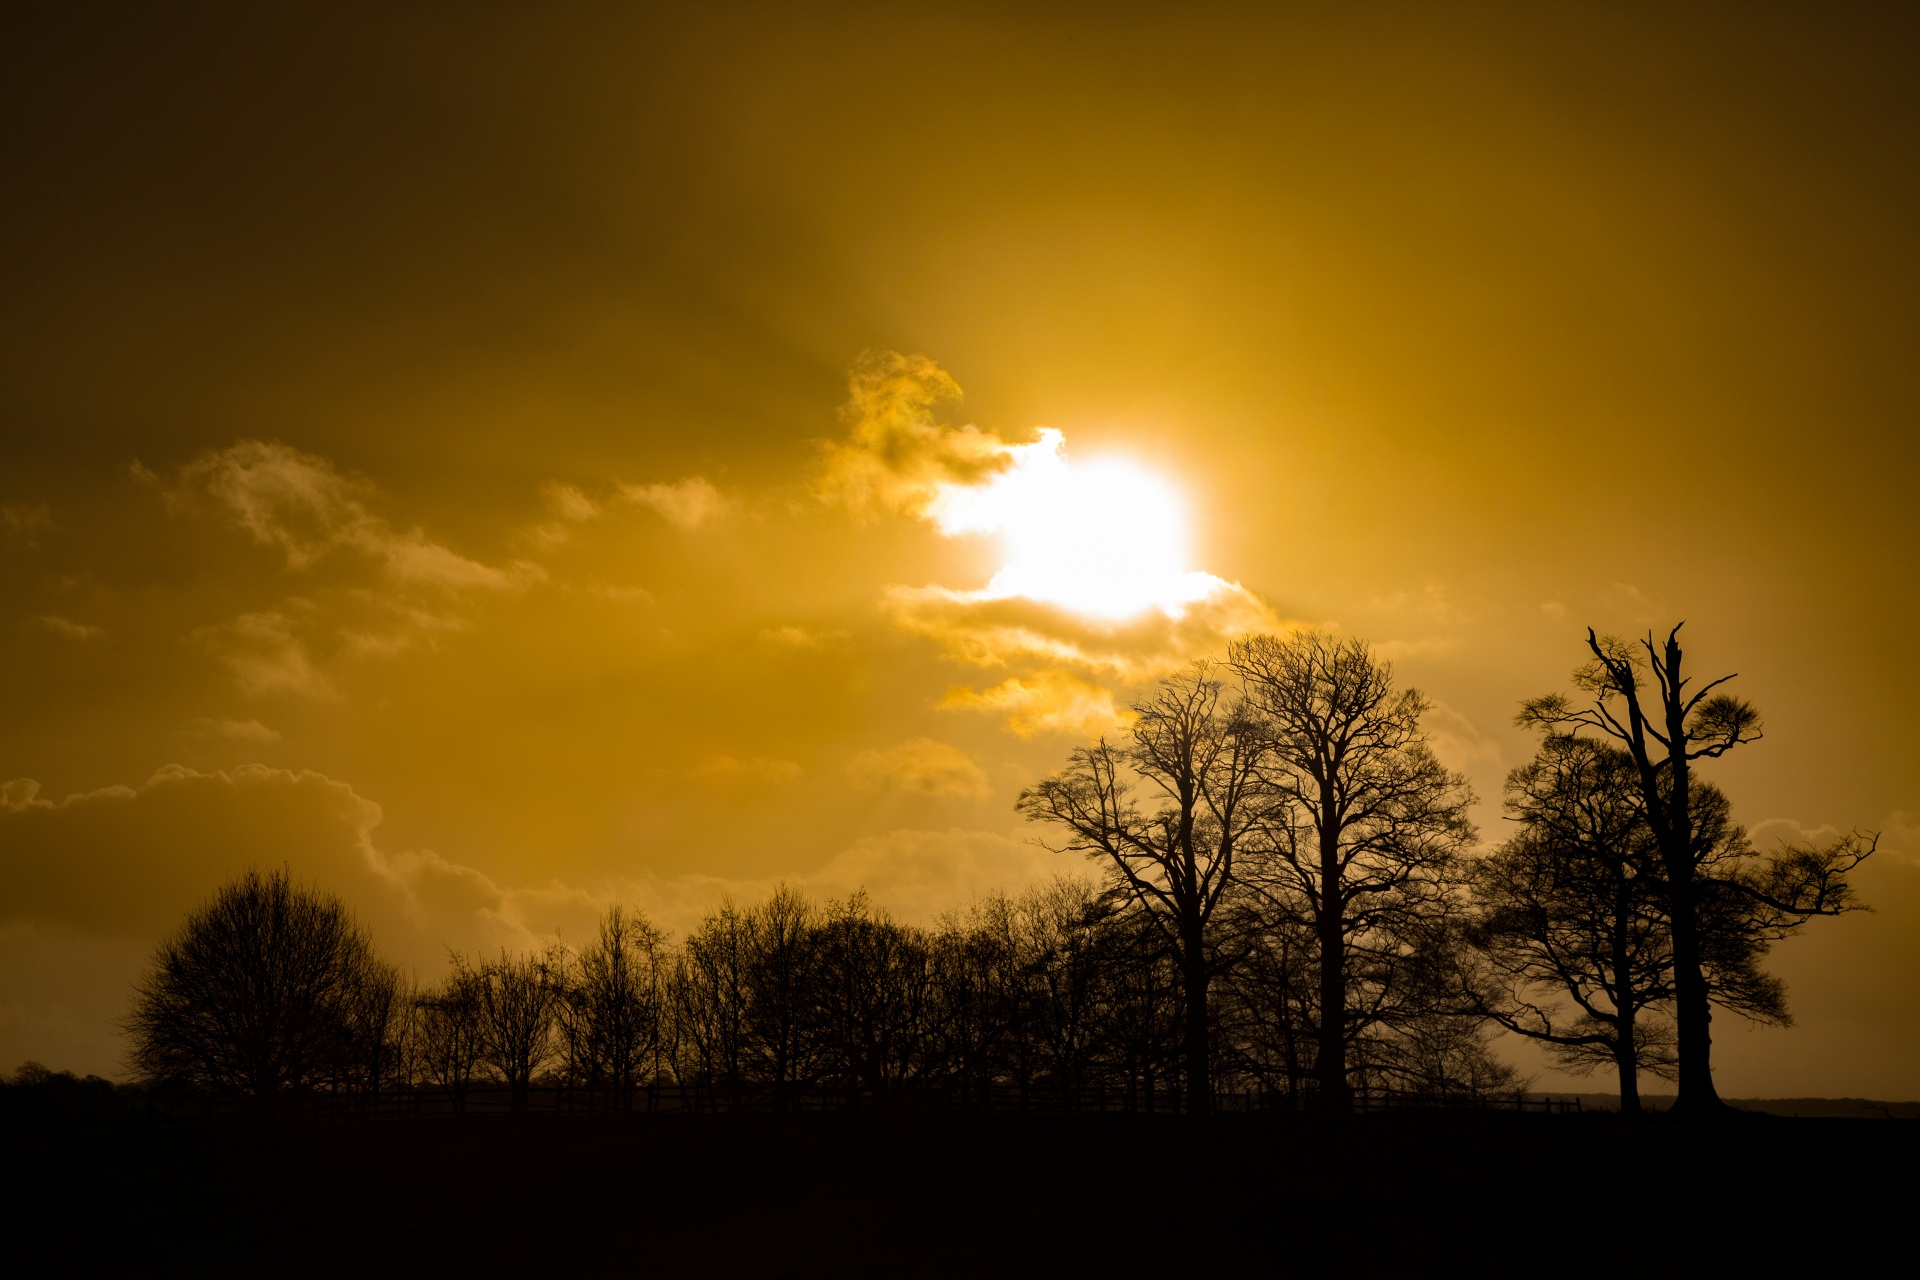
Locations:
(440, 456)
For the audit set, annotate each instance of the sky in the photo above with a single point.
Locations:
(496, 463)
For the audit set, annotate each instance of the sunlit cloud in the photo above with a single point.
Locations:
(923, 766)
(795, 637)
(1095, 576)
(686, 504)
(1047, 702)
(1106, 538)
(987, 630)
(897, 455)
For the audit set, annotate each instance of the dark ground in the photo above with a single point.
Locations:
(1398, 1193)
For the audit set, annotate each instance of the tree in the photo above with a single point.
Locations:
(452, 1030)
(780, 1032)
(1194, 755)
(1365, 835)
(711, 989)
(873, 989)
(1574, 904)
(612, 1011)
(517, 995)
(258, 994)
(1665, 740)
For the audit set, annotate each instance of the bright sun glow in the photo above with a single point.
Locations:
(1106, 538)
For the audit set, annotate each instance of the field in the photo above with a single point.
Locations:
(952, 1194)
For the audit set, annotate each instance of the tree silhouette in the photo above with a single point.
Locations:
(259, 994)
(517, 995)
(452, 1030)
(1716, 919)
(1195, 756)
(1574, 905)
(612, 1012)
(1364, 841)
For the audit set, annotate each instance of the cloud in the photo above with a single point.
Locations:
(568, 507)
(22, 525)
(267, 652)
(304, 507)
(923, 766)
(300, 504)
(1048, 701)
(234, 730)
(989, 630)
(761, 769)
(1899, 835)
(76, 631)
(685, 504)
(1457, 741)
(803, 637)
(131, 861)
(897, 456)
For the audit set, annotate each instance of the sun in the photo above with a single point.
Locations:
(1106, 538)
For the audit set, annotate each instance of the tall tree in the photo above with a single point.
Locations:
(1666, 729)
(1365, 842)
(1573, 905)
(1194, 755)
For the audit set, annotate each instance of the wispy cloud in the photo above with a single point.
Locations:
(402, 589)
(22, 524)
(305, 507)
(686, 504)
(234, 730)
(81, 632)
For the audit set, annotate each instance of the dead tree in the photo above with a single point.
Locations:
(1667, 730)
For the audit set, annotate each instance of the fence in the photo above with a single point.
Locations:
(674, 1098)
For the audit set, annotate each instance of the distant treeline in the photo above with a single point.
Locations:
(1276, 840)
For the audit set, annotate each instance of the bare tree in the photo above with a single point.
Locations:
(711, 991)
(874, 985)
(452, 1030)
(1195, 756)
(1574, 905)
(258, 993)
(1667, 729)
(780, 1042)
(613, 1006)
(517, 995)
(1365, 845)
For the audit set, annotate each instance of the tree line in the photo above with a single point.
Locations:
(1289, 900)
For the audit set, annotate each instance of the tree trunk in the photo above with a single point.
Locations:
(1331, 1063)
(1692, 1011)
(1626, 1048)
(1626, 1056)
(1199, 1069)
